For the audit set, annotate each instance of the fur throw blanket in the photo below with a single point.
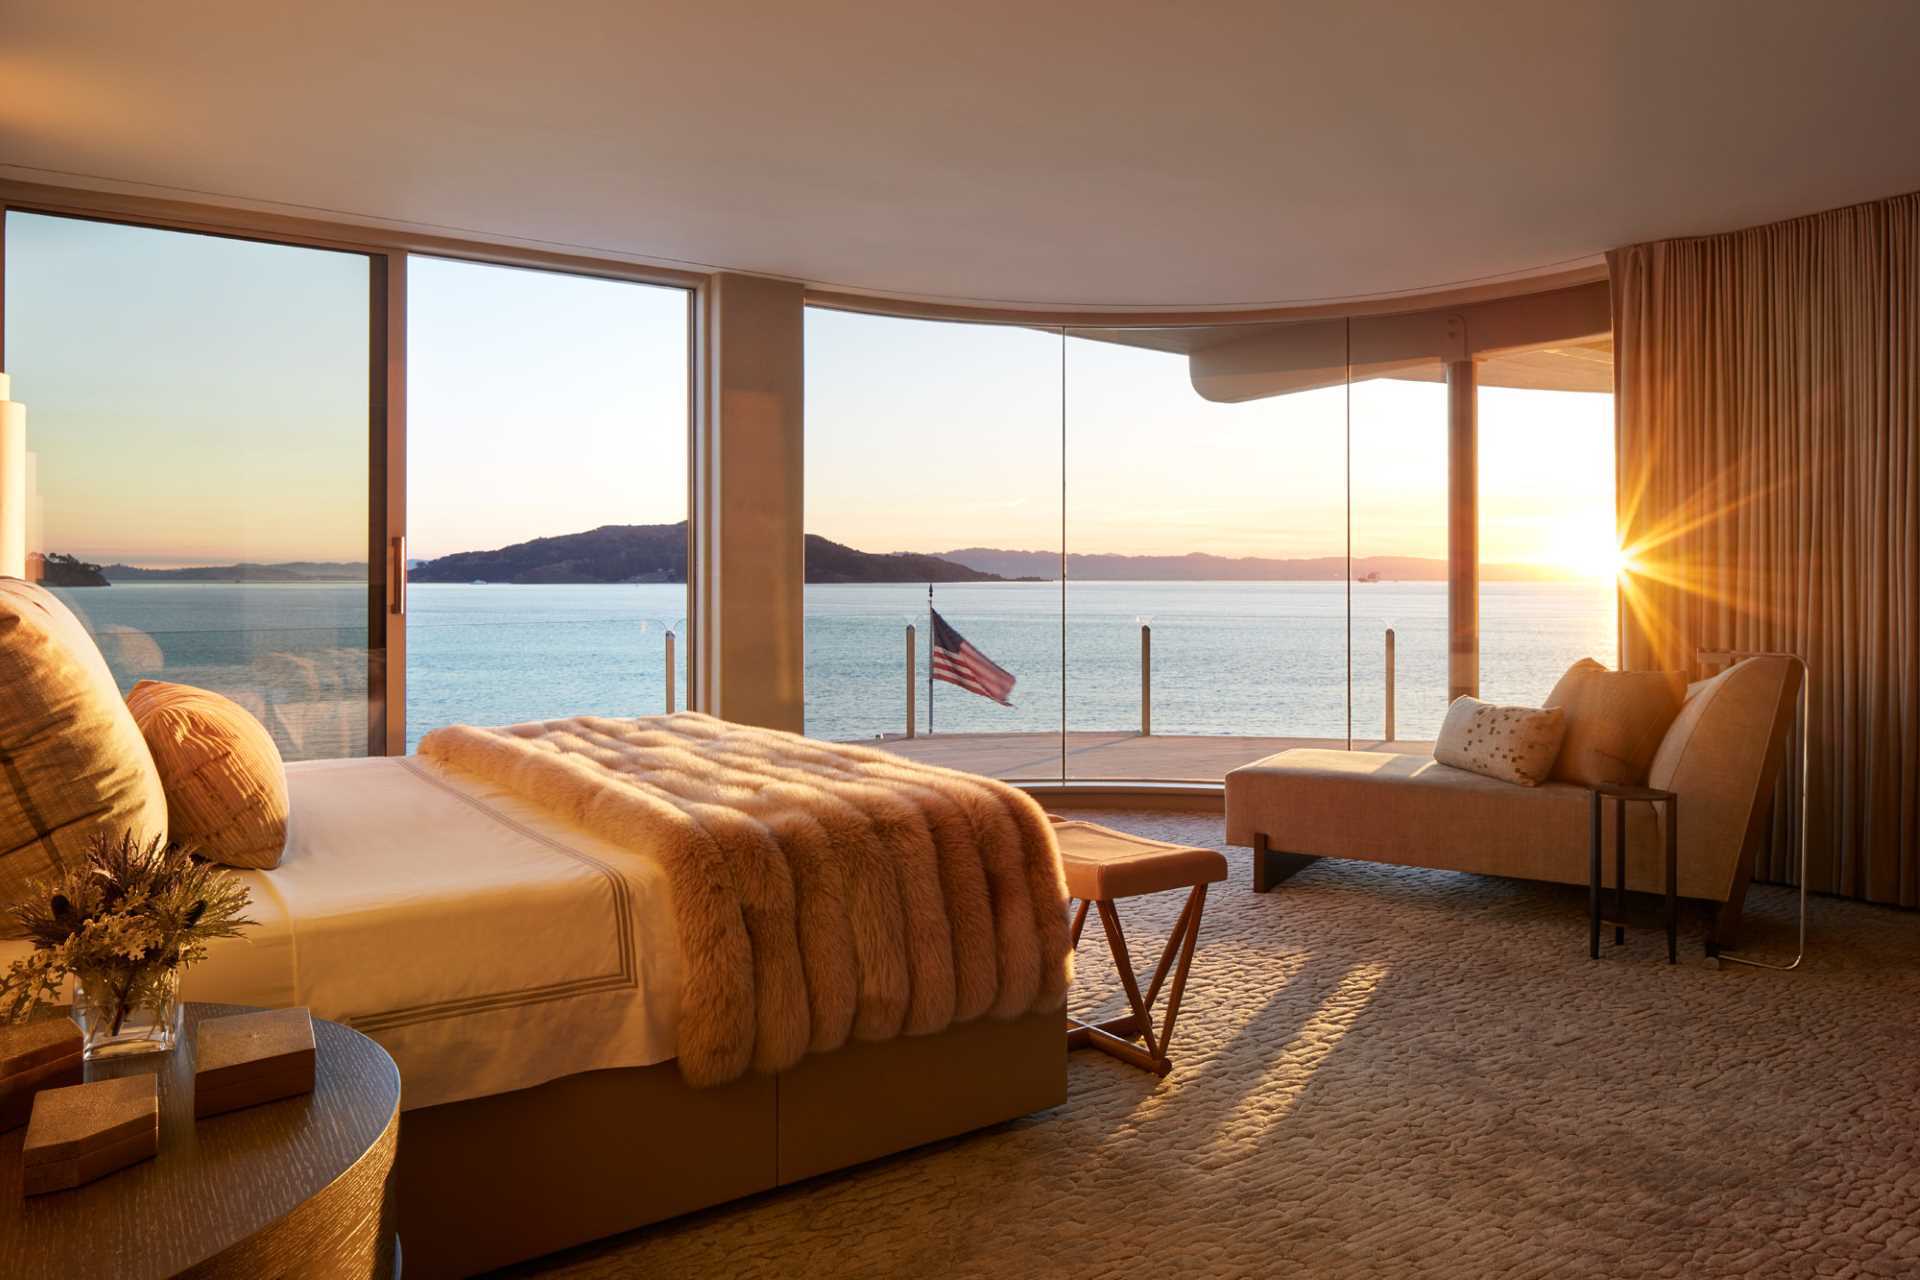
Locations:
(820, 891)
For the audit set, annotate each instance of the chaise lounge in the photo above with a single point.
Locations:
(1721, 757)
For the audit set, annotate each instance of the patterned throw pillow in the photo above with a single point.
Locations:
(1513, 744)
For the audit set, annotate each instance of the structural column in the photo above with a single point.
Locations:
(1463, 532)
(748, 552)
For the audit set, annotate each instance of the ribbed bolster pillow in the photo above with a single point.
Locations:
(226, 786)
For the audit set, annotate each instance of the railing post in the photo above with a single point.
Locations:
(912, 683)
(1146, 681)
(670, 688)
(1389, 684)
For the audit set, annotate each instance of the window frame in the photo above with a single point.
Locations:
(387, 251)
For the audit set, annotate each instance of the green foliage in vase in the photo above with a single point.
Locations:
(123, 919)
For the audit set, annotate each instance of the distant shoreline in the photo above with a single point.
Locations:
(361, 583)
(613, 555)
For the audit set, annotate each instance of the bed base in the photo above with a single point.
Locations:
(496, 1180)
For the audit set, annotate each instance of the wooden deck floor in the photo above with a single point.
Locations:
(1121, 756)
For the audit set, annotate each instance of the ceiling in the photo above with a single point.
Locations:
(1078, 153)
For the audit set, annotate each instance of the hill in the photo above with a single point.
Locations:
(56, 570)
(611, 553)
(290, 571)
(658, 553)
(832, 562)
(1199, 567)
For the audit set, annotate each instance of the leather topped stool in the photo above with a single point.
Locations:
(1103, 865)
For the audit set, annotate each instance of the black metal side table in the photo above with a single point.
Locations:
(1620, 795)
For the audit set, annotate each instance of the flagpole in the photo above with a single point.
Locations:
(932, 640)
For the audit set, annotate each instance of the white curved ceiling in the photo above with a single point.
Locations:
(1103, 153)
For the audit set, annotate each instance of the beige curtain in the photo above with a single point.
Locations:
(1768, 402)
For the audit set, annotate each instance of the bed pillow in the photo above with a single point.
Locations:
(226, 786)
(1615, 722)
(1513, 744)
(74, 761)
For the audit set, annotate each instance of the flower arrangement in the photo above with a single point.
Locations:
(123, 923)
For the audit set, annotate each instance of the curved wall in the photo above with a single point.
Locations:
(1238, 530)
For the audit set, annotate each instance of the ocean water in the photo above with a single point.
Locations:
(1268, 659)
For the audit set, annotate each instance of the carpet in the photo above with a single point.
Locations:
(1385, 1071)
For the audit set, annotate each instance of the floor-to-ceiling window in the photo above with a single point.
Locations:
(198, 433)
(1237, 537)
(1547, 528)
(934, 488)
(1399, 580)
(1206, 607)
(546, 494)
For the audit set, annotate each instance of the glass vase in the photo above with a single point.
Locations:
(115, 1026)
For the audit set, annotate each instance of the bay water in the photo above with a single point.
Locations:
(1303, 659)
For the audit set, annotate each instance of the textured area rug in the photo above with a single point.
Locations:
(1385, 1071)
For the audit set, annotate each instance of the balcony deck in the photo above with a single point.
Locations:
(1119, 755)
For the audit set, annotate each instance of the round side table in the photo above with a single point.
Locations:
(298, 1187)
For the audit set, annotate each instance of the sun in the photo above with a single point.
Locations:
(1590, 554)
(1618, 562)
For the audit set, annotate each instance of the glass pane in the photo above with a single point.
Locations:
(1400, 556)
(547, 438)
(198, 425)
(1207, 507)
(1547, 534)
(933, 455)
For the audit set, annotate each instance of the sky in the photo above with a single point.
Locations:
(198, 400)
(540, 403)
(190, 399)
(931, 436)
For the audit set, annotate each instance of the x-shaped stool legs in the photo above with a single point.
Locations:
(1116, 1035)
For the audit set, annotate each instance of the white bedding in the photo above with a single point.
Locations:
(486, 945)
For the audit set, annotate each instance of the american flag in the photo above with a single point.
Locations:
(957, 662)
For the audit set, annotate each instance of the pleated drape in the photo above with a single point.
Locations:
(1767, 394)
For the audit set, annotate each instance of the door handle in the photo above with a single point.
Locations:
(399, 605)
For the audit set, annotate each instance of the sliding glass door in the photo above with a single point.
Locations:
(547, 440)
(199, 432)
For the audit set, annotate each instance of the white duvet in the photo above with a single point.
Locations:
(486, 945)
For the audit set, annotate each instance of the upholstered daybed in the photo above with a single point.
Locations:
(1721, 756)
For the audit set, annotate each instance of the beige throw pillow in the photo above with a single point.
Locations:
(1615, 722)
(1513, 744)
(72, 762)
(226, 786)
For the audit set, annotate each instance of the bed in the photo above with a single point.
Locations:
(525, 976)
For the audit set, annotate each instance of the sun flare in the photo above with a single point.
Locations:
(1589, 553)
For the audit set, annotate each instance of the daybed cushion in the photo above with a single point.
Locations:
(1615, 721)
(1722, 756)
(1512, 744)
(75, 762)
(226, 786)
(1411, 809)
